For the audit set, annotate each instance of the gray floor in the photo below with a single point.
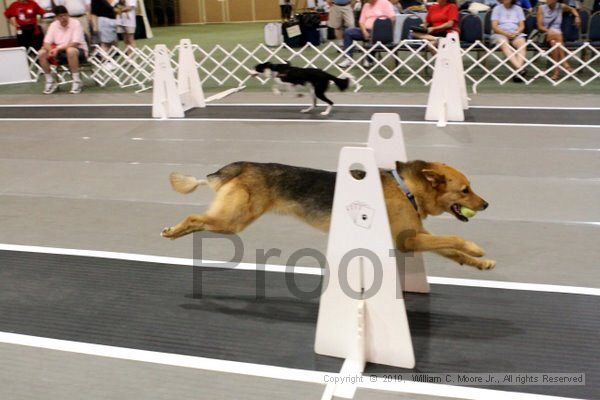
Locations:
(103, 186)
(28, 373)
(145, 306)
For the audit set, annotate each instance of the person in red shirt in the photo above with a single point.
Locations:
(442, 17)
(23, 15)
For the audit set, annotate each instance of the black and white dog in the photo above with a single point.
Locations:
(293, 76)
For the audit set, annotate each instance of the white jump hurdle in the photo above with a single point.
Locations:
(448, 93)
(171, 99)
(389, 147)
(362, 317)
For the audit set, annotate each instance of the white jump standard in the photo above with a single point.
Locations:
(171, 99)
(448, 93)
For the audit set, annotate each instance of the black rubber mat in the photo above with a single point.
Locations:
(350, 113)
(151, 307)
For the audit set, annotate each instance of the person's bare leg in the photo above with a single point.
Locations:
(508, 51)
(521, 54)
(129, 40)
(43, 59)
(562, 54)
(73, 59)
(556, 56)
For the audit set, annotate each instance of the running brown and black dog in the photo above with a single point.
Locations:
(247, 190)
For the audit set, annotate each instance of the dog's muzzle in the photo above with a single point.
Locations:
(455, 208)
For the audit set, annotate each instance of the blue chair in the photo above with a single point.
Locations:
(409, 23)
(594, 30)
(471, 30)
(584, 15)
(571, 33)
(530, 24)
(382, 33)
(487, 26)
(382, 37)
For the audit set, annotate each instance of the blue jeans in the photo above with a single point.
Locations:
(350, 35)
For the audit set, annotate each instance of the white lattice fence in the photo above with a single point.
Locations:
(409, 61)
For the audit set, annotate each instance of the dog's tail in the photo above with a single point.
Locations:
(341, 83)
(184, 183)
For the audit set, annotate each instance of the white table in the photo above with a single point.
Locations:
(15, 68)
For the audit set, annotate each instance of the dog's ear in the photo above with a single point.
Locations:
(434, 177)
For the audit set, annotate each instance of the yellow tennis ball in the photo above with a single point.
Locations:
(467, 212)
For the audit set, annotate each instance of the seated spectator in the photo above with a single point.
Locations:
(508, 24)
(80, 10)
(549, 20)
(125, 10)
(64, 43)
(371, 10)
(104, 23)
(23, 15)
(442, 18)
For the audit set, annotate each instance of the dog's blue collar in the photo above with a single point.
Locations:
(402, 185)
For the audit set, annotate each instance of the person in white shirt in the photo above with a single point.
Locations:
(125, 10)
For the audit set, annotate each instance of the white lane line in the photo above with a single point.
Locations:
(301, 104)
(284, 121)
(175, 360)
(160, 259)
(535, 287)
(259, 370)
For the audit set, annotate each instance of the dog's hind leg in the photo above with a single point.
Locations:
(314, 102)
(230, 212)
(463, 258)
(320, 93)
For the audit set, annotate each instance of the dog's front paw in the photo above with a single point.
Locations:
(168, 233)
(486, 264)
(277, 92)
(472, 249)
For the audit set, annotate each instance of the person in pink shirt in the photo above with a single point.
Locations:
(372, 10)
(65, 43)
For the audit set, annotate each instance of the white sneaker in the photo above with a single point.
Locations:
(76, 87)
(109, 65)
(366, 63)
(50, 87)
(346, 63)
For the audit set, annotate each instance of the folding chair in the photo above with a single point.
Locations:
(571, 33)
(594, 30)
(584, 15)
(471, 30)
(382, 37)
